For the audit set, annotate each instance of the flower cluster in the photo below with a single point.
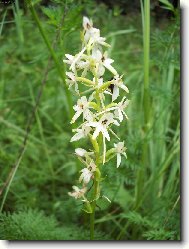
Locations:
(98, 107)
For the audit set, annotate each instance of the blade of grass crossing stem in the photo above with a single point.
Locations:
(146, 100)
(61, 70)
(2, 23)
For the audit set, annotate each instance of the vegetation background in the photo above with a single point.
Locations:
(36, 178)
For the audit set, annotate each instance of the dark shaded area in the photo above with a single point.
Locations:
(119, 7)
(125, 7)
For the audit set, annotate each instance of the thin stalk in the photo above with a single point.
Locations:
(146, 98)
(96, 182)
(92, 215)
(61, 70)
(10, 179)
(3, 21)
(96, 187)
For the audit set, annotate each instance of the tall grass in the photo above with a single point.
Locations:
(145, 12)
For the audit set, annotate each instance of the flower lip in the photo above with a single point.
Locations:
(80, 152)
(77, 193)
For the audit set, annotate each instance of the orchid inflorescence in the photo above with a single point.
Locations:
(99, 110)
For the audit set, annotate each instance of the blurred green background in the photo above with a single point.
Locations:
(37, 206)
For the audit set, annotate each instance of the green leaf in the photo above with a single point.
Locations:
(167, 4)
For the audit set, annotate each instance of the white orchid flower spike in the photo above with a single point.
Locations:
(97, 115)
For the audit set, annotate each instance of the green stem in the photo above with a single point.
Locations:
(146, 99)
(61, 70)
(96, 188)
(92, 215)
(97, 149)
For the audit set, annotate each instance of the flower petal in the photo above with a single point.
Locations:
(115, 93)
(87, 23)
(124, 88)
(104, 152)
(97, 131)
(80, 152)
(118, 160)
(105, 133)
(76, 116)
(120, 115)
(77, 136)
(93, 124)
(110, 68)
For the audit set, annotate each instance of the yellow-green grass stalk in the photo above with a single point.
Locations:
(145, 11)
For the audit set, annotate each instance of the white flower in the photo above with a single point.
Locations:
(78, 193)
(117, 82)
(119, 109)
(78, 62)
(80, 133)
(119, 112)
(80, 152)
(92, 35)
(82, 107)
(77, 59)
(102, 125)
(72, 81)
(75, 62)
(107, 63)
(87, 24)
(85, 176)
(87, 173)
(69, 60)
(120, 150)
(103, 62)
